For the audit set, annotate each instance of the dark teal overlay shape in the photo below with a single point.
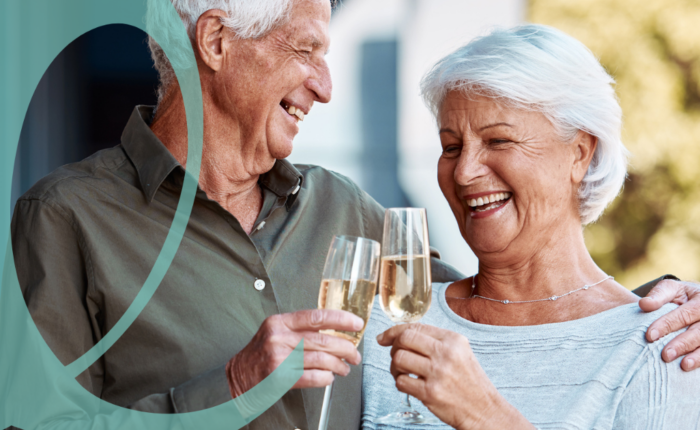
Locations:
(37, 391)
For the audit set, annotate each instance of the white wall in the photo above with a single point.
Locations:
(426, 30)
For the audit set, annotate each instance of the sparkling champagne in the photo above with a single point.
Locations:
(405, 287)
(356, 297)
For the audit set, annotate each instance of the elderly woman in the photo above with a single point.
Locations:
(530, 131)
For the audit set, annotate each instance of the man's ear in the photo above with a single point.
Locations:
(584, 148)
(210, 38)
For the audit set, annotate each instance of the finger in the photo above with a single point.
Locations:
(388, 337)
(341, 348)
(682, 344)
(410, 363)
(691, 361)
(315, 378)
(415, 339)
(666, 291)
(414, 387)
(323, 319)
(675, 320)
(323, 361)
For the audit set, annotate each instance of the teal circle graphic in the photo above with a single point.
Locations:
(37, 391)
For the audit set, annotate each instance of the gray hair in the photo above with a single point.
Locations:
(540, 68)
(249, 19)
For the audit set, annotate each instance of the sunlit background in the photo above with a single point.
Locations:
(377, 131)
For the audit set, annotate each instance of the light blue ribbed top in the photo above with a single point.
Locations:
(597, 372)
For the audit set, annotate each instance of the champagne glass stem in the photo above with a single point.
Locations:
(326, 408)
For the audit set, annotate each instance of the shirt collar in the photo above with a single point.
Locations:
(284, 180)
(153, 161)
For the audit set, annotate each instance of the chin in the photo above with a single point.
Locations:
(487, 241)
(485, 246)
(280, 150)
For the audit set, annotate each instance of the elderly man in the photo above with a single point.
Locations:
(236, 298)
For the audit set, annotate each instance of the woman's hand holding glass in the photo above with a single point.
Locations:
(450, 382)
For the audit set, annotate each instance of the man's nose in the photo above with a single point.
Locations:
(320, 83)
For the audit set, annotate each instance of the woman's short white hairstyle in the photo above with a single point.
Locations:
(540, 68)
(249, 19)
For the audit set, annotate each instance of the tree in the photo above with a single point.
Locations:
(652, 49)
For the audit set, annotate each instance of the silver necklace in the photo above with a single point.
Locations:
(505, 302)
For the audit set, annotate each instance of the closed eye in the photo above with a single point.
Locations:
(499, 141)
(451, 150)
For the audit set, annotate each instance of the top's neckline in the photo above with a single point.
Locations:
(531, 329)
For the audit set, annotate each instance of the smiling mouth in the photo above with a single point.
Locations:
(486, 203)
(293, 111)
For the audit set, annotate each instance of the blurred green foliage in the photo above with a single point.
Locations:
(652, 49)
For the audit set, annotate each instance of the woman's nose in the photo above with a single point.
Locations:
(470, 167)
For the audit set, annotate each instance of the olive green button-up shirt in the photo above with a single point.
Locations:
(86, 237)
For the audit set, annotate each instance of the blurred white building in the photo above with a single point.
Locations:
(376, 130)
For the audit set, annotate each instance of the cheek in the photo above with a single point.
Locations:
(446, 180)
(542, 178)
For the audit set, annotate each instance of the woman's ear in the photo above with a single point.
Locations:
(584, 148)
(210, 38)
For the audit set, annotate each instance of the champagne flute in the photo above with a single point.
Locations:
(349, 284)
(405, 287)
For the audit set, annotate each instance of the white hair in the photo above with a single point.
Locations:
(249, 19)
(540, 68)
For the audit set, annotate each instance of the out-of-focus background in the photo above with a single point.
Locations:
(377, 131)
(652, 49)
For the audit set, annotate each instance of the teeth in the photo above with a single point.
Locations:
(296, 112)
(485, 200)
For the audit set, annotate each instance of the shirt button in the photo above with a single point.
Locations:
(259, 285)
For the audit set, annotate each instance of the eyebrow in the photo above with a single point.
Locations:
(494, 125)
(316, 42)
(449, 130)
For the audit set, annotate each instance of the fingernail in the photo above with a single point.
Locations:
(689, 364)
(380, 337)
(671, 354)
(654, 335)
(359, 323)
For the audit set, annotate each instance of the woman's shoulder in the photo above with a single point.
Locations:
(658, 394)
